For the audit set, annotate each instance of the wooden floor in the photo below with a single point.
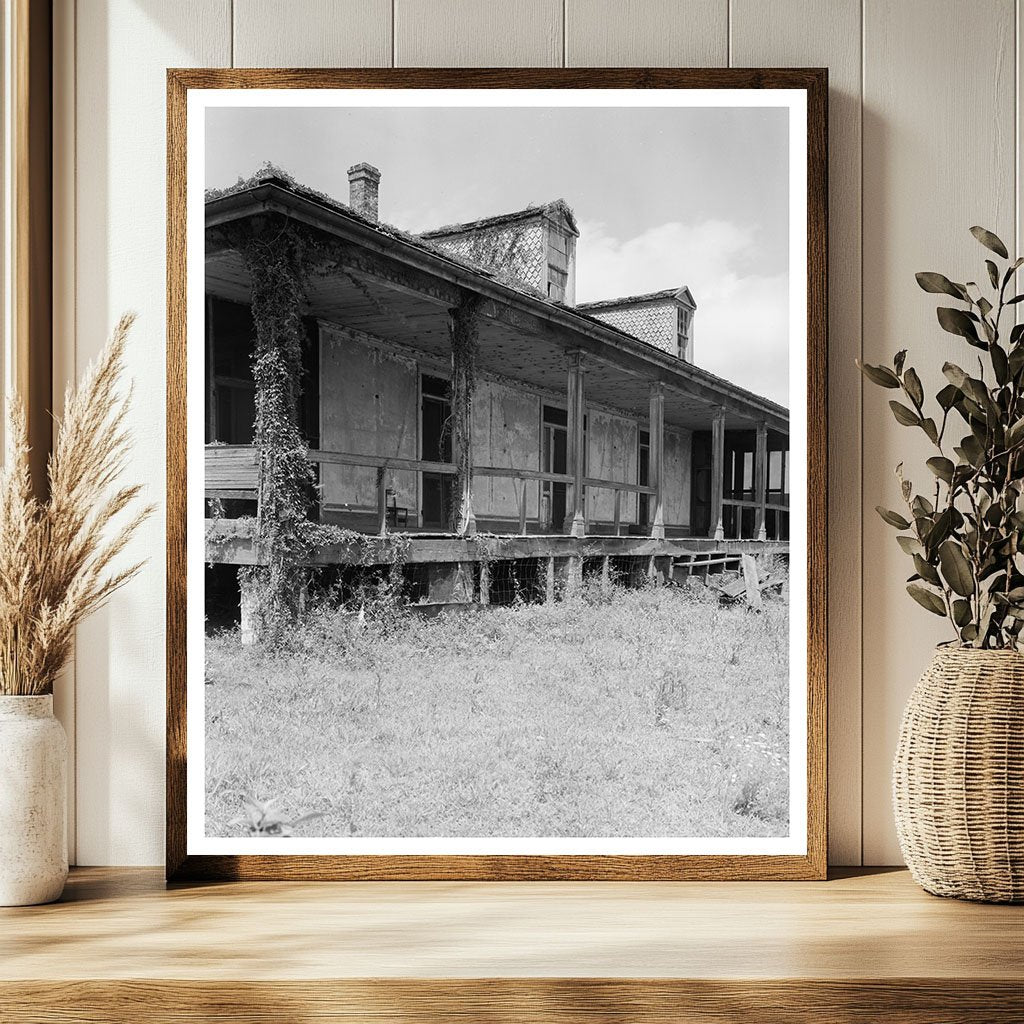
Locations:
(865, 947)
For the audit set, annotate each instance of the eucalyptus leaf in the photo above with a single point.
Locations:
(911, 545)
(940, 529)
(957, 321)
(939, 284)
(956, 569)
(926, 571)
(954, 374)
(1015, 434)
(1016, 361)
(961, 612)
(976, 389)
(1000, 363)
(880, 375)
(990, 241)
(947, 397)
(973, 451)
(922, 507)
(907, 417)
(967, 539)
(893, 518)
(927, 598)
(942, 467)
(912, 386)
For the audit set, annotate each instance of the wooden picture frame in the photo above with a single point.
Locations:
(810, 864)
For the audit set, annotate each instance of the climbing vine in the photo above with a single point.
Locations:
(464, 331)
(277, 257)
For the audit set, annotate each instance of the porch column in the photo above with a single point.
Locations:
(656, 460)
(717, 472)
(761, 478)
(277, 265)
(211, 370)
(462, 327)
(575, 522)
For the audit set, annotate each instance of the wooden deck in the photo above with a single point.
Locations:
(230, 542)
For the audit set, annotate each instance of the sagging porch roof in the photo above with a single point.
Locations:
(398, 288)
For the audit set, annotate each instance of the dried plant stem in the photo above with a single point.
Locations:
(57, 556)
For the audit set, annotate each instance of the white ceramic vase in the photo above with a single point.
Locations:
(33, 802)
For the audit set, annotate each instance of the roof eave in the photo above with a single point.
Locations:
(269, 197)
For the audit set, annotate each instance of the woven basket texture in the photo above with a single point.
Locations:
(958, 776)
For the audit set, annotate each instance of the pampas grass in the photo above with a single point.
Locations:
(57, 555)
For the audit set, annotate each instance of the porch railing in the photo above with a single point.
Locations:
(231, 473)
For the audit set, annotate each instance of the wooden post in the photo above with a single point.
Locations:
(549, 580)
(248, 617)
(569, 574)
(382, 503)
(663, 568)
(752, 582)
(575, 522)
(761, 479)
(717, 472)
(211, 379)
(462, 327)
(656, 460)
(30, 225)
(275, 256)
(485, 583)
(618, 511)
(522, 507)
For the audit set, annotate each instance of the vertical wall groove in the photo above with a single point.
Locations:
(64, 299)
(939, 92)
(915, 57)
(860, 427)
(772, 33)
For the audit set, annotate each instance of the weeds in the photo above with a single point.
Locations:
(616, 712)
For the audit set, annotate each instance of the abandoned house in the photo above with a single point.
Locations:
(450, 387)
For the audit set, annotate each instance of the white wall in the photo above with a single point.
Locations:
(924, 143)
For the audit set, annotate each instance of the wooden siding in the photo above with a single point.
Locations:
(369, 401)
(922, 99)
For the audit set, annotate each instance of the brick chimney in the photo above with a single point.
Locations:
(560, 234)
(363, 181)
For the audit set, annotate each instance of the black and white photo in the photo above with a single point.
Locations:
(497, 463)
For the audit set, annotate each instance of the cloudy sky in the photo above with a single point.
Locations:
(663, 197)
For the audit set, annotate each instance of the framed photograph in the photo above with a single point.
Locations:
(496, 474)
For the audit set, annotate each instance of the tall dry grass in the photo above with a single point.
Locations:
(57, 555)
(653, 711)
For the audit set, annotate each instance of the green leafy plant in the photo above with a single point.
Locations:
(966, 534)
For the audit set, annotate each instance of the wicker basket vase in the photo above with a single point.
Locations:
(958, 777)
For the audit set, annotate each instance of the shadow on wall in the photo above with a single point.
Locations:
(122, 52)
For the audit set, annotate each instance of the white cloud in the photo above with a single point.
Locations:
(741, 330)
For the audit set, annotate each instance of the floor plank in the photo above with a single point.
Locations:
(123, 923)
